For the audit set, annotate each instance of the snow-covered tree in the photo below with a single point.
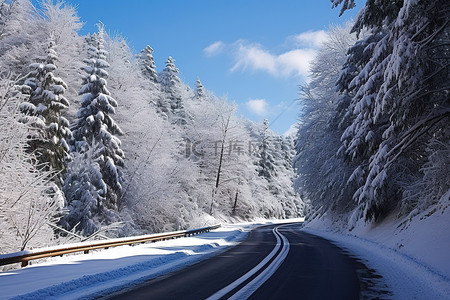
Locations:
(85, 191)
(22, 28)
(322, 174)
(44, 105)
(147, 64)
(28, 200)
(174, 94)
(61, 21)
(199, 89)
(95, 124)
(399, 100)
(273, 159)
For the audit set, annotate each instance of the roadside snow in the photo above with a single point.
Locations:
(412, 255)
(102, 272)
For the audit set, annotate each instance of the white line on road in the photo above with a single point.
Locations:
(253, 285)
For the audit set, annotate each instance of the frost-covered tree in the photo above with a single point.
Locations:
(199, 89)
(170, 85)
(86, 192)
(28, 200)
(399, 100)
(44, 105)
(61, 21)
(95, 124)
(147, 64)
(22, 28)
(174, 94)
(322, 174)
(273, 159)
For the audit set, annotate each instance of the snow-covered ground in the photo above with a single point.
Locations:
(413, 257)
(104, 271)
(79, 276)
(414, 261)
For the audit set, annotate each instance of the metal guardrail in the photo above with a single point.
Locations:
(24, 257)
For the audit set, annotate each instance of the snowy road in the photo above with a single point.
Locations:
(273, 262)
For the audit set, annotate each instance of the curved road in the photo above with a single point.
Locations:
(273, 262)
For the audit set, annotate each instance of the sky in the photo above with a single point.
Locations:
(253, 52)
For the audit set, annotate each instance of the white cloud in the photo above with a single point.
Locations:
(254, 57)
(296, 62)
(257, 106)
(214, 49)
(310, 38)
(292, 131)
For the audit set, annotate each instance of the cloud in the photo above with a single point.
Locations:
(257, 106)
(254, 57)
(292, 131)
(313, 39)
(295, 61)
(214, 49)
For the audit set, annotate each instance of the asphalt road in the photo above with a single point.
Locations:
(271, 263)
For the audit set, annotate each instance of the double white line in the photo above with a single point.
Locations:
(247, 290)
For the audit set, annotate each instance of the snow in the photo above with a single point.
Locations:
(413, 262)
(106, 271)
(412, 256)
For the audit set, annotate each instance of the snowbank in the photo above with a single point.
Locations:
(412, 255)
(92, 275)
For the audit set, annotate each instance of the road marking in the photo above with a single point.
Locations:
(253, 285)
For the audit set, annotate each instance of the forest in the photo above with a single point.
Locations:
(96, 142)
(374, 139)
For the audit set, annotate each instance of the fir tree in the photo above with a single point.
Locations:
(147, 64)
(171, 102)
(399, 104)
(85, 191)
(45, 104)
(199, 90)
(94, 123)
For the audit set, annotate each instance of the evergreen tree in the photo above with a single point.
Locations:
(45, 104)
(147, 64)
(173, 90)
(399, 104)
(265, 164)
(199, 90)
(170, 85)
(94, 123)
(322, 174)
(85, 191)
(274, 164)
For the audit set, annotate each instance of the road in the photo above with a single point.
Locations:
(273, 262)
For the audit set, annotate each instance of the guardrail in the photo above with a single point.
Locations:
(24, 257)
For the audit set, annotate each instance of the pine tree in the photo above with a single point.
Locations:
(147, 64)
(199, 90)
(85, 191)
(45, 105)
(170, 85)
(94, 123)
(399, 99)
(171, 102)
(274, 165)
(265, 164)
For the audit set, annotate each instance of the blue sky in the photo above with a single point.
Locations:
(254, 52)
